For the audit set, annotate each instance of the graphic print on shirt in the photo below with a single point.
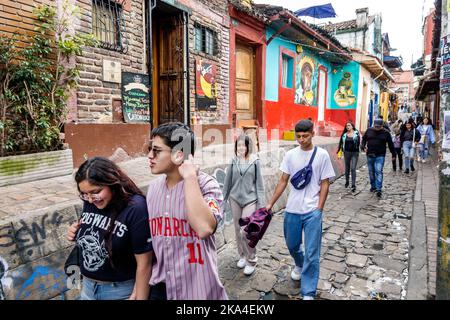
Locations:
(94, 253)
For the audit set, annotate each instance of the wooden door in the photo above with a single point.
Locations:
(170, 69)
(245, 82)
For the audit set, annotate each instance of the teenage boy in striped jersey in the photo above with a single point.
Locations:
(184, 211)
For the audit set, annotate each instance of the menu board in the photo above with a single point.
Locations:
(136, 97)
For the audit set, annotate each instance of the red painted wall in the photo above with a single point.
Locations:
(428, 34)
(340, 116)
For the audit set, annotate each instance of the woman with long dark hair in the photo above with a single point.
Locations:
(113, 234)
(349, 144)
(244, 188)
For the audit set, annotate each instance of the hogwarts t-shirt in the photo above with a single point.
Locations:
(130, 236)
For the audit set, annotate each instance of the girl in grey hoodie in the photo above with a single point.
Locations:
(244, 188)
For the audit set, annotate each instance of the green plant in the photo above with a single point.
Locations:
(35, 81)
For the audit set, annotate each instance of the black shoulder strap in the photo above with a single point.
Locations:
(313, 156)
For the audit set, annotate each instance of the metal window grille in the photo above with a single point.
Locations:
(206, 40)
(108, 24)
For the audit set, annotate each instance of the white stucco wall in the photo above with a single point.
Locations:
(362, 111)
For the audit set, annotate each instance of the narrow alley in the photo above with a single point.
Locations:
(365, 247)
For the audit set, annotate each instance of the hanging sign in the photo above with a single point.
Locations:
(445, 65)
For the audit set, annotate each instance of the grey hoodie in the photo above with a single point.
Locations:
(247, 187)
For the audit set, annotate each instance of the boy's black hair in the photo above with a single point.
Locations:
(304, 126)
(177, 136)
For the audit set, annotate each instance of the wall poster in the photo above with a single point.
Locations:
(206, 86)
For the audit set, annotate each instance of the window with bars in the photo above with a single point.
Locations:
(206, 40)
(108, 24)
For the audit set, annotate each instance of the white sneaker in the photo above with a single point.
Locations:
(424, 161)
(241, 263)
(296, 273)
(249, 269)
(308, 298)
(419, 159)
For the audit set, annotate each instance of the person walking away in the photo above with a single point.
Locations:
(305, 207)
(395, 132)
(374, 144)
(244, 188)
(349, 144)
(184, 206)
(113, 235)
(409, 138)
(427, 137)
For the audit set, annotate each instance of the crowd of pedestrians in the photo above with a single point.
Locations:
(162, 246)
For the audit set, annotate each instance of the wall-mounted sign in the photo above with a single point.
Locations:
(112, 71)
(206, 87)
(136, 97)
(445, 63)
(446, 139)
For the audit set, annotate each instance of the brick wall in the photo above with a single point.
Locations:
(214, 15)
(94, 97)
(16, 16)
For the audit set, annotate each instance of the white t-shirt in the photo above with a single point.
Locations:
(306, 200)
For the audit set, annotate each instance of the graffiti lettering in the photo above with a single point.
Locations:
(28, 237)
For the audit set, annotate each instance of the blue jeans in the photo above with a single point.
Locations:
(376, 165)
(311, 225)
(408, 152)
(93, 290)
(424, 150)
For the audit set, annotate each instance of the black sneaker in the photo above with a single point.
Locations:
(412, 168)
(347, 184)
(407, 171)
(353, 189)
(379, 194)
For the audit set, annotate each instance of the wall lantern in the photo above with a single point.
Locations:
(299, 49)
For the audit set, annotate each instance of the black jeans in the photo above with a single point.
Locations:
(158, 292)
(398, 154)
(351, 162)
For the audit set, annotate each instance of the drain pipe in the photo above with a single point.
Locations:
(151, 4)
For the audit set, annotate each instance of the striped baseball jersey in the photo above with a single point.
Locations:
(184, 262)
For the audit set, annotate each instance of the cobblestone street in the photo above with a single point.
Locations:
(364, 249)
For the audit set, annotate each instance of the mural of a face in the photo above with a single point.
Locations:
(307, 74)
(306, 81)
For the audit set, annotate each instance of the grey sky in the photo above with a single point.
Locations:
(402, 19)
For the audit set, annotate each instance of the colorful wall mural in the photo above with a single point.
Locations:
(344, 89)
(306, 74)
